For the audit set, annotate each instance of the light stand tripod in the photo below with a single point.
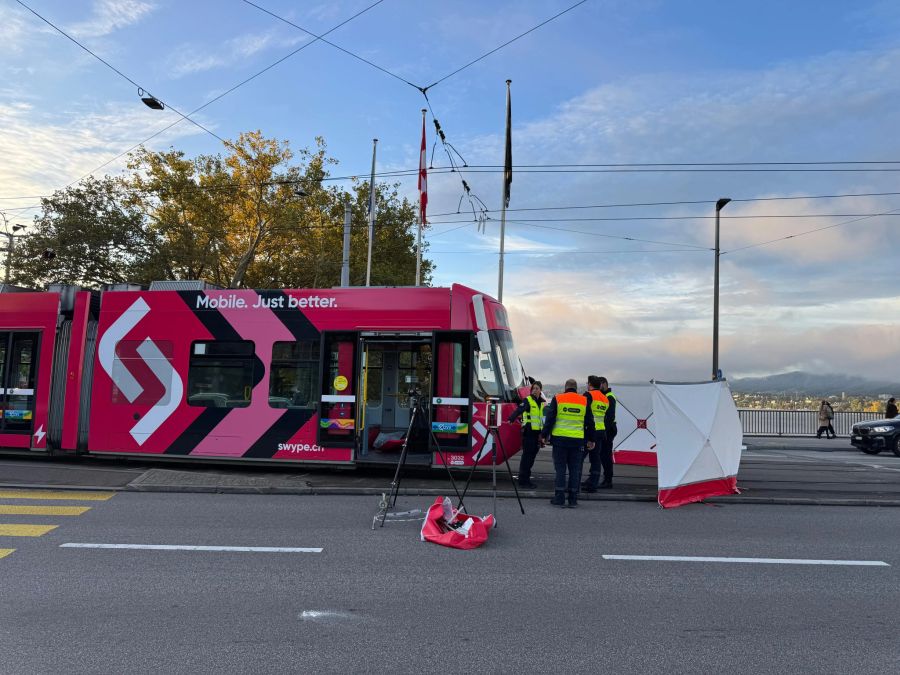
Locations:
(390, 500)
(493, 421)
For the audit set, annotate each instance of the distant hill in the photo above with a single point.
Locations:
(815, 385)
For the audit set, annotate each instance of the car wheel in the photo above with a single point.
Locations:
(874, 451)
(897, 445)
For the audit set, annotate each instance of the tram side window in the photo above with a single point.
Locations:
(221, 374)
(294, 380)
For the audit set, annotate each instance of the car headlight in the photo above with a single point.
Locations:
(882, 430)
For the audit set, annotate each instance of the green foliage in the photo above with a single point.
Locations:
(235, 220)
(97, 237)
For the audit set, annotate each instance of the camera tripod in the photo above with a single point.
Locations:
(494, 434)
(389, 500)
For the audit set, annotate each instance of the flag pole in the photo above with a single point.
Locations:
(420, 217)
(371, 215)
(507, 180)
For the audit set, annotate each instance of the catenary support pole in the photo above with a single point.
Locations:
(720, 204)
(371, 215)
(345, 259)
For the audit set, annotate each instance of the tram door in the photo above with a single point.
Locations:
(18, 373)
(395, 376)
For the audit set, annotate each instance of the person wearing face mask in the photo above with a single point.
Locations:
(531, 410)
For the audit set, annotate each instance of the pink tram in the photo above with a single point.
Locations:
(187, 371)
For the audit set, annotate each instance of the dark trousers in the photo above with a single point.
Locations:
(827, 430)
(530, 447)
(606, 455)
(595, 457)
(567, 460)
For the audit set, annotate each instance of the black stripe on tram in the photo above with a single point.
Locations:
(199, 429)
(281, 432)
(293, 318)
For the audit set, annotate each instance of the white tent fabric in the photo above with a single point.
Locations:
(699, 439)
(635, 442)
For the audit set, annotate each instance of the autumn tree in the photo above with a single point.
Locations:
(87, 234)
(259, 215)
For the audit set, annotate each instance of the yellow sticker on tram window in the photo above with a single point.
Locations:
(340, 383)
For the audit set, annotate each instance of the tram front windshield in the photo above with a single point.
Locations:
(498, 374)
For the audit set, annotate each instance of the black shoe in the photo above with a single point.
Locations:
(528, 485)
(590, 489)
(558, 500)
(573, 503)
(605, 485)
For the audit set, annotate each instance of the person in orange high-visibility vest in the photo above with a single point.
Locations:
(569, 424)
(599, 405)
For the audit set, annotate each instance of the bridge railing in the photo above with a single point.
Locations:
(797, 422)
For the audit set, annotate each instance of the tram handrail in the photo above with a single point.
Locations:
(797, 423)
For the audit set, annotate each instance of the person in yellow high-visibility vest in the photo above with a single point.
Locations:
(599, 404)
(569, 424)
(531, 410)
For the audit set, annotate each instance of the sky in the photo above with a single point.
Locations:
(605, 290)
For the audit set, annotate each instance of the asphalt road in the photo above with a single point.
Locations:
(539, 597)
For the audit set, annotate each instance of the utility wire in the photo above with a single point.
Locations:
(224, 93)
(676, 203)
(546, 252)
(505, 44)
(321, 38)
(119, 72)
(818, 229)
(653, 218)
(612, 236)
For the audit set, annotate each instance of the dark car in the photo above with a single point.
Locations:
(873, 437)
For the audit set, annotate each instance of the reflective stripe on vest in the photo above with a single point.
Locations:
(599, 406)
(570, 409)
(612, 397)
(534, 416)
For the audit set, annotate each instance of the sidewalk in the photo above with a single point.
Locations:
(785, 471)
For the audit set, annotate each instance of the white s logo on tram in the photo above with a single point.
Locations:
(154, 359)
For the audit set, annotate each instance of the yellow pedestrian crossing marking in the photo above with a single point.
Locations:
(34, 510)
(10, 530)
(5, 552)
(64, 495)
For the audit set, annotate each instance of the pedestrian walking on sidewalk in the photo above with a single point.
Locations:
(826, 414)
(569, 425)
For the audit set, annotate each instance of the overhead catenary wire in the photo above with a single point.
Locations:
(224, 93)
(505, 44)
(119, 72)
(808, 232)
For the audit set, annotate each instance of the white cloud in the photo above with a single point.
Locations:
(111, 15)
(818, 301)
(192, 59)
(44, 152)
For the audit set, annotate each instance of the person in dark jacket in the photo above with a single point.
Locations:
(890, 412)
(606, 453)
(599, 405)
(568, 422)
(531, 410)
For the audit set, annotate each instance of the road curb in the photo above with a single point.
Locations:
(434, 492)
(61, 488)
(530, 494)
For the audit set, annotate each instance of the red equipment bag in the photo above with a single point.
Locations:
(446, 526)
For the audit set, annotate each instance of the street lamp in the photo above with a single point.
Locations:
(10, 244)
(720, 204)
(150, 100)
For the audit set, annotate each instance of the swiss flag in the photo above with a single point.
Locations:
(423, 179)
